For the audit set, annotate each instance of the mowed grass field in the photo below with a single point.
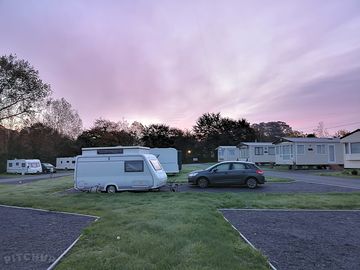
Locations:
(161, 230)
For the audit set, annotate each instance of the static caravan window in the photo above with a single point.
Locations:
(355, 148)
(320, 149)
(346, 148)
(259, 151)
(300, 149)
(278, 150)
(10, 164)
(156, 164)
(23, 165)
(73, 162)
(271, 150)
(17, 163)
(134, 166)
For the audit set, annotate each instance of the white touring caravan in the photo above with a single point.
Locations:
(118, 168)
(170, 159)
(24, 166)
(65, 163)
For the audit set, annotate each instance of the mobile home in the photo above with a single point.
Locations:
(257, 152)
(24, 166)
(351, 150)
(308, 151)
(228, 153)
(65, 163)
(170, 159)
(113, 169)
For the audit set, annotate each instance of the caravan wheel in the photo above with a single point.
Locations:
(111, 189)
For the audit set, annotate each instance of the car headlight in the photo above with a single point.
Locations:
(193, 174)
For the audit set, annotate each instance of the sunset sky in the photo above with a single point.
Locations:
(171, 61)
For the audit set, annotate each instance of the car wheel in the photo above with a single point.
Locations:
(203, 182)
(251, 183)
(111, 189)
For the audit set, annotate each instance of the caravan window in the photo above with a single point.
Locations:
(300, 149)
(23, 165)
(34, 164)
(320, 149)
(156, 164)
(355, 148)
(10, 164)
(73, 162)
(17, 163)
(271, 150)
(134, 166)
(259, 151)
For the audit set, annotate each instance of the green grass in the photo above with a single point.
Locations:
(8, 175)
(278, 179)
(344, 173)
(161, 230)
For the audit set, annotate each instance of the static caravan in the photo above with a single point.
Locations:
(113, 169)
(24, 166)
(257, 152)
(170, 159)
(228, 153)
(308, 151)
(65, 163)
(351, 148)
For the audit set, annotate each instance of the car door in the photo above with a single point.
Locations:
(237, 174)
(220, 174)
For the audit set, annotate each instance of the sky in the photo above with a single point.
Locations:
(171, 61)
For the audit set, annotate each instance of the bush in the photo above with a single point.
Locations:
(354, 172)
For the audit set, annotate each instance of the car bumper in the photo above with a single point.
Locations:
(261, 179)
(192, 180)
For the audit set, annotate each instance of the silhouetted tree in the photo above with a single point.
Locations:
(60, 115)
(270, 131)
(21, 89)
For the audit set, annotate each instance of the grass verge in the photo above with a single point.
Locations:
(347, 173)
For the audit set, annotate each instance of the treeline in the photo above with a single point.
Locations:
(46, 142)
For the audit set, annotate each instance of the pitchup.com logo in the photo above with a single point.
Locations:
(28, 257)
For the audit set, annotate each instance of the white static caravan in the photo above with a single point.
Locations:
(24, 166)
(351, 148)
(228, 153)
(113, 169)
(169, 158)
(257, 152)
(65, 163)
(308, 151)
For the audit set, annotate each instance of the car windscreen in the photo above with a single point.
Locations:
(156, 164)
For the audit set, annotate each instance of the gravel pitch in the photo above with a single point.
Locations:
(32, 239)
(302, 239)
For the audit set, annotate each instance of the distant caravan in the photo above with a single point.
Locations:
(118, 168)
(24, 166)
(65, 163)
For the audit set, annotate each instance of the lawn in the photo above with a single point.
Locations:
(161, 230)
(347, 173)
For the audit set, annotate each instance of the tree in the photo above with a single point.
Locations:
(341, 133)
(160, 135)
(320, 131)
(270, 131)
(107, 133)
(21, 89)
(60, 115)
(212, 130)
